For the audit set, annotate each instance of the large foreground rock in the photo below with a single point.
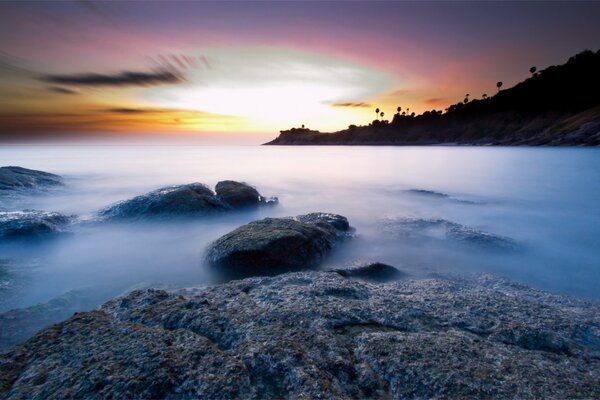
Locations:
(318, 335)
(18, 178)
(275, 245)
(31, 223)
(194, 199)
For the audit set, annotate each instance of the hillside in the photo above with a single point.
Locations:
(559, 105)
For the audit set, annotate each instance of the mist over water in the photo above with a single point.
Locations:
(547, 200)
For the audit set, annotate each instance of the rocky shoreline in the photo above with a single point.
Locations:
(290, 330)
(318, 334)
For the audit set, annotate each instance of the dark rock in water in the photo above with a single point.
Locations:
(317, 335)
(31, 223)
(376, 272)
(240, 195)
(275, 245)
(430, 193)
(190, 199)
(18, 178)
(194, 199)
(441, 229)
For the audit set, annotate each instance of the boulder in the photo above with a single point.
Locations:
(375, 272)
(194, 199)
(18, 178)
(275, 245)
(240, 195)
(318, 335)
(31, 223)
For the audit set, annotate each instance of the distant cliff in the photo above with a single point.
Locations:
(559, 105)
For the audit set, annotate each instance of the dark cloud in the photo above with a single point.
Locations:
(129, 110)
(434, 101)
(62, 90)
(351, 104)
(125, 78)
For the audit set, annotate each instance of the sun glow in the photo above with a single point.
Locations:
(273, 88)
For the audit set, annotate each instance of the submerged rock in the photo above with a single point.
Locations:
(317, 335)
(441, 229)
(275, 245)
(375, 272)
(31, 223)
(19, 324)
(428, 193)
(432, 194)
(18, 178)
(240, 195)
(194, 199)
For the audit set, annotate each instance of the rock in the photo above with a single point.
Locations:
(317, 335)
(441, 229)
(31, 223)
(240, 195)
(194, 199)
(18, 178)
(428, 193)
(275, 245)
(375, 272)
(433, 195)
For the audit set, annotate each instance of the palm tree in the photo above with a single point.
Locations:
(484, 96)
(382, 114)
(466, 100)
(377, 113)
(499, 85)
(399, 109)
(532, 70)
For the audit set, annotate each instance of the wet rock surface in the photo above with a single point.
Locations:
(374, 272)
(31, 224)
(444, 230)
(275, 245)
(18, 178)
(241, 195)
(194, 199)
(318, 335)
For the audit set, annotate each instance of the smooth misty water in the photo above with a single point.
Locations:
(546, 199)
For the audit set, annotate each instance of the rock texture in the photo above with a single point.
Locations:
(375, 272)
(275, 245)
(18, 178)
(31, 223)
(194, 199)
(317, 335)
(241, 195)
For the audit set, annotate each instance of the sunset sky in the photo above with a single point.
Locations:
(242, 71)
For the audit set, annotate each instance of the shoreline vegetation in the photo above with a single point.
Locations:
(556, 106)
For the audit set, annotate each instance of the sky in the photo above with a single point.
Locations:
(242, 71)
